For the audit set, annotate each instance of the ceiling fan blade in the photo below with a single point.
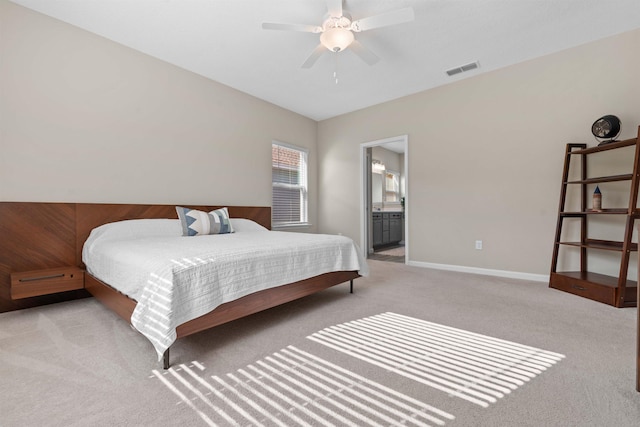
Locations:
(292, 27)
(384, 19)
(335, 8)
(364, 53)
(317, 52)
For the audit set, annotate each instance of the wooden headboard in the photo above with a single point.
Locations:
(36, 236)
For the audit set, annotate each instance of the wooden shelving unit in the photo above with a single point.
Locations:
(617, 291)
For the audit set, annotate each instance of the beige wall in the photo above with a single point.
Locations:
(83, 119)
(485, 154)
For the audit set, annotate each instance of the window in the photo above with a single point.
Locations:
(392, 187)
(289, 182)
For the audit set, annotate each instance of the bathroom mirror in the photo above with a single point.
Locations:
(377, 189)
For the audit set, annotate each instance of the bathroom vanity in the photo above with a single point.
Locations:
(387, 228)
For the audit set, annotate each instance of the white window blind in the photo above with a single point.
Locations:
(289, 181)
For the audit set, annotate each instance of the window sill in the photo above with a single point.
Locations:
(296, 225)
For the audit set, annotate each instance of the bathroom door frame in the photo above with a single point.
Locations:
(365, 193)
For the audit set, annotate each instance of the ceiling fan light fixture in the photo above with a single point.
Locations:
(337, 31)
(336, 39)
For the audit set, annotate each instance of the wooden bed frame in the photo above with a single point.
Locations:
(57, 231)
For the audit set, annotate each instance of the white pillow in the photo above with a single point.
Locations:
(242, 224)
(132, 229)
(137, 228)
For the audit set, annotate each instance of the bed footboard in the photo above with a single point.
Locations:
(233, 310)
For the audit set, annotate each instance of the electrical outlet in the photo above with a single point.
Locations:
(479, 244)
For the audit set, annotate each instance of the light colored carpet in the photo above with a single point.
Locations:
(76, 363)
(473, 367)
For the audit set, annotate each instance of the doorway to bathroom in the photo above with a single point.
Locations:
(384, 204)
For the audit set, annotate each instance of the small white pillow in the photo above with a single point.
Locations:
(243, 224)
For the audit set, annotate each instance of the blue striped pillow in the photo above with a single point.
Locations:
(196, 223)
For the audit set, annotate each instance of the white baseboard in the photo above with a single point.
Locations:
(483, 271)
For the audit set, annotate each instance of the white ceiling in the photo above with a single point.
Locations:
(223, 40)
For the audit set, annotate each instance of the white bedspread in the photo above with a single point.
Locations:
(175, 279)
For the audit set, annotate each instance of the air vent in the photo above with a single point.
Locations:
(461, 69)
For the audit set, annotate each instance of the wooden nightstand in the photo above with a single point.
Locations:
(27, 284)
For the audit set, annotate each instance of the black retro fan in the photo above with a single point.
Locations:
(606, 128)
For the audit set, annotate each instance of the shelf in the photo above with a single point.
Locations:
(605, 147)
(595, 286)
(597, 180)
(613, 211)
(607, 245)
(601, 279)
(616, 291)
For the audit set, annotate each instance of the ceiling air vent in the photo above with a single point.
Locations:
(461, 69)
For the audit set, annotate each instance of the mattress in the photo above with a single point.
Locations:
(175, 278)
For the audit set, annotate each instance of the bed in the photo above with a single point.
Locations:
(169, 285)
(49, 235)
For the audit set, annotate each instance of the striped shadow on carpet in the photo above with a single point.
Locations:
(473, 367)
(294, 387)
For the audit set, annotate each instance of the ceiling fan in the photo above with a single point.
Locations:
(337, 31)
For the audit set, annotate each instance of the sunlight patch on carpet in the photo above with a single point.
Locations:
(294, 387)
(473, 367)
